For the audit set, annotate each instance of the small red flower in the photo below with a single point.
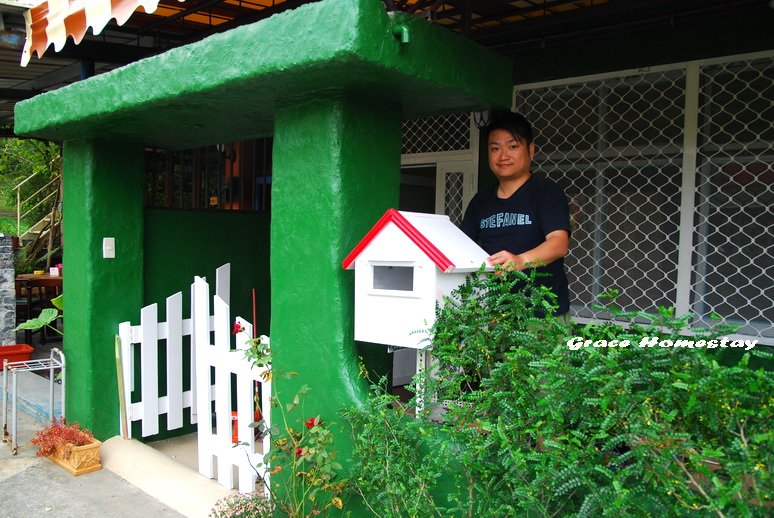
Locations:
(299, 452)
(237, 328)
(312, 422)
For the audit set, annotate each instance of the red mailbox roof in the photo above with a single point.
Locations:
(434, 234)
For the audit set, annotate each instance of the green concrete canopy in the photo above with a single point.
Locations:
(228, 86)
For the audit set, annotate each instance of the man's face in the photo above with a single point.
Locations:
(509, 159)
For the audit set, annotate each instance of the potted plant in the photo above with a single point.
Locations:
(73, 448)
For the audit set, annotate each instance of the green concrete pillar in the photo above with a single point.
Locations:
(336, 170)
(103, 197)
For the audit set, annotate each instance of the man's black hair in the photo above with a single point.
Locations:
(513, 123)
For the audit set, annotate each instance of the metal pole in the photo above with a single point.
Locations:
(5, 400)
(51, 388)
(14, 447)
(63, 375)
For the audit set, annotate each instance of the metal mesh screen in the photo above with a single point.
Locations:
(734, 246)
(453, 196)
(619, 146)
(436, 134)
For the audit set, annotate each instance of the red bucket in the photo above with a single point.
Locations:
(14, 353)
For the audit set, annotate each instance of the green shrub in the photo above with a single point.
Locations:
(303, 460)
(393, 471)
(533, 428)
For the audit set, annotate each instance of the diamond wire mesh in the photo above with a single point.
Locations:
(733, 267)
(453, 196)
(616, 147)
(436, 134)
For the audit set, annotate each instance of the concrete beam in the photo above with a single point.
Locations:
(229, 85)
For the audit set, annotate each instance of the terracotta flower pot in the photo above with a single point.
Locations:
(78, 460)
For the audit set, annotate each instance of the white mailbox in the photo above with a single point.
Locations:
(405, 264)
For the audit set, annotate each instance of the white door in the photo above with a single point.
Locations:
(455, 184)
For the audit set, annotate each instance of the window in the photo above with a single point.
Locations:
(670, 176)
(234, 176)
(398, 278)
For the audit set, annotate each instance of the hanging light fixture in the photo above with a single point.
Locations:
(481, 119)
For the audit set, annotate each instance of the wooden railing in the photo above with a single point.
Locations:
(43, 195)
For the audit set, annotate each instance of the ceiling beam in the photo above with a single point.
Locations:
(595, 16)
(249, 18)
(182, 14)
(61, 75)
(544, 32)
(116, 53)
(507, 11)
(17, 94)
(598, 17)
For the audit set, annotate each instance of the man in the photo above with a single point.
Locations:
(524, 220)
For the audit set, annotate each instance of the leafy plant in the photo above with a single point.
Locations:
(241, 505)
(392, 470)
(23, 158)
(60, 436)
(530, 427)
(46, 317)
(302, 461)
(8, 226)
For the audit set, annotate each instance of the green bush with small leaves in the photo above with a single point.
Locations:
(392, 471)
(515, 423)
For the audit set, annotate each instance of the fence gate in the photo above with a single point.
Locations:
(221, 380)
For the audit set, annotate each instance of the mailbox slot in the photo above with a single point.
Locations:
(391, 277)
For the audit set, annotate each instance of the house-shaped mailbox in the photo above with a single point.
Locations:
(405, 264)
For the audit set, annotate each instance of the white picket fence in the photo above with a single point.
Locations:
(212, 366)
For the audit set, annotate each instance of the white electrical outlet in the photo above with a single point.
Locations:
(108, 248)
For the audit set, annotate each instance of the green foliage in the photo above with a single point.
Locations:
(302, 463)
(529, 427)
(393, 471)
(46, 317)
(20, 159)
(8, 225)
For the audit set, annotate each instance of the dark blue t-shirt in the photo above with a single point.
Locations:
(520, 223)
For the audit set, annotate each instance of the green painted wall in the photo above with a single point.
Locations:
(180, 244)
(336, 170)
(103, 196)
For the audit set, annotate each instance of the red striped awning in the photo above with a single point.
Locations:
(53, 21)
